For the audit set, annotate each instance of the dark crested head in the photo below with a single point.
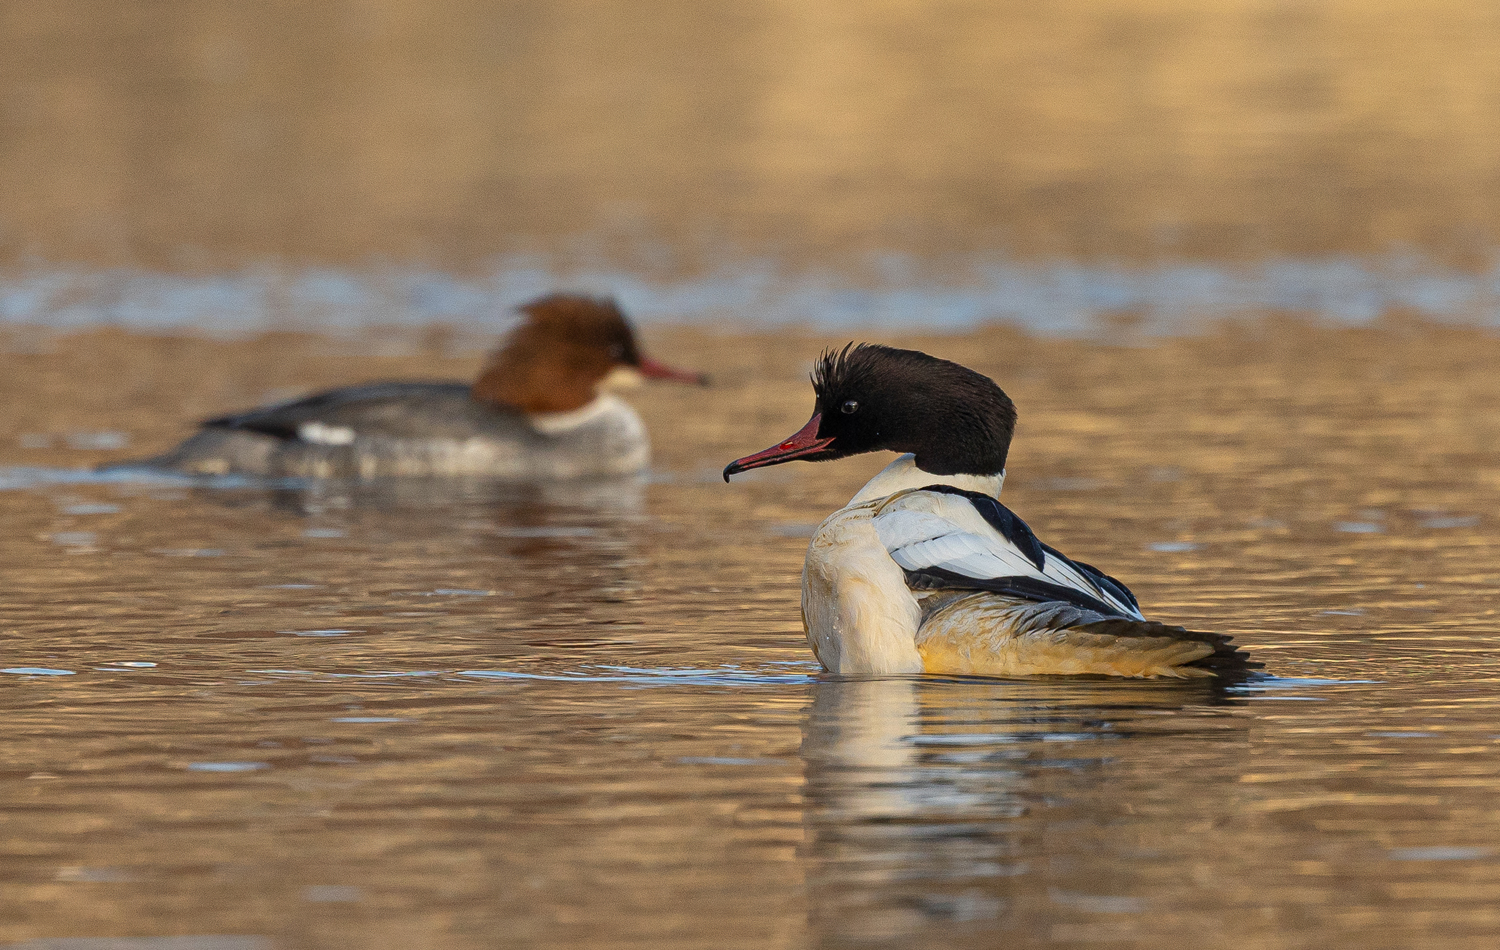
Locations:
(875, 397)
(872, 398)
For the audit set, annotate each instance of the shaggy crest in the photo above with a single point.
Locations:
(876, 397)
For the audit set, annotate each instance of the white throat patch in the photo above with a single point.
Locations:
(622, 378)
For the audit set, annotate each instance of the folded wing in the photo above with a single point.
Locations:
(1050, 614)
(383, 410)
(948, 538)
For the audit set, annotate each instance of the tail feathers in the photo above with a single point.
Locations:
(1226, 658)
(210, 452)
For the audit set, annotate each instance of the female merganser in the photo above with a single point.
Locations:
(925, 571)
(535, 412)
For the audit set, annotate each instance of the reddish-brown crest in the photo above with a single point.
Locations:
(554, 361)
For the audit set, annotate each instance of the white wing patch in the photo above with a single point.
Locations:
(959, 540)
(927, 530)
(320, 433)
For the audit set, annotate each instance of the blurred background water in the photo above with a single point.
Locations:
(1235, 262)
(195, 163)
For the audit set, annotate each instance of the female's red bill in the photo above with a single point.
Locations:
(801, 445)
(653, 369)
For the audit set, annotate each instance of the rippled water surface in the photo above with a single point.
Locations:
(414, 715)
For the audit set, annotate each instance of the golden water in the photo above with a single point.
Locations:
(404, 716)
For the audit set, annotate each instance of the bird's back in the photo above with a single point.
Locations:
(381, 410)
(411, 429)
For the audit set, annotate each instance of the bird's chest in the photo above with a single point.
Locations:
(858, 613)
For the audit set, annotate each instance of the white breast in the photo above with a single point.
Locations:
(605, 437)
(557, 423)
(859, 615)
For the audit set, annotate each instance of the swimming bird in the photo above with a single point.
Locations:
(534, 412)
(925, 571)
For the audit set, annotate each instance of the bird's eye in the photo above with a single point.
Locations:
(617, 352)
(849, 408)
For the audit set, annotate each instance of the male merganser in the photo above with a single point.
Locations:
(535, 412)
(925, 570)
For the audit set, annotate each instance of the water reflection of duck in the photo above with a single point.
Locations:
(534, 412)
(925, 571)
(544, 548)
(941, 812)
